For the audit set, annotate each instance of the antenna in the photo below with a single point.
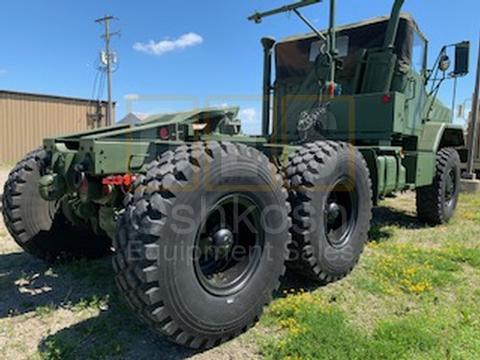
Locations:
(108, 58)
(258, 17)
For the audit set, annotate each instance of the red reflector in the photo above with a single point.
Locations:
(128, 179)
(118, 180)
(386, 99)
(331, 89)
(164, 133)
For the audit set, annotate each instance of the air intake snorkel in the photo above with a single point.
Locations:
(267, 44)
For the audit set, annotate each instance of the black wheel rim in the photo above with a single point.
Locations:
(229, 245)
(450, 187)
(341, 212)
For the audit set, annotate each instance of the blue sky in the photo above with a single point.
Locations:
(182, 54)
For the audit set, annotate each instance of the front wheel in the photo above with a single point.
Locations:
(331, 198)
(436, 203)
(203, 242)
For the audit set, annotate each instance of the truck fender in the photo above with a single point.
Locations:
(436, 136)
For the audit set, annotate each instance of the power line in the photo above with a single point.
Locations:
(95, 82)
(108, 58)
(95, 118)
(101, 85)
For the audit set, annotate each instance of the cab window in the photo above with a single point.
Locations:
(418, 53)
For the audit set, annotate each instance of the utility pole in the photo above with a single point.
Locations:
(108, 57)
(472, 143)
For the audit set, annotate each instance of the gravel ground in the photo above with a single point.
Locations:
(3, 178)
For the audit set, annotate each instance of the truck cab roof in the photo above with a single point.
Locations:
(295, 55)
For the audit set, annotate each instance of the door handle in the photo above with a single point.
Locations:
(413, 85)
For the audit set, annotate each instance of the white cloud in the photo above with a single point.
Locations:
(248, 115)
(164, 46)
(251, 124)
(131, 97)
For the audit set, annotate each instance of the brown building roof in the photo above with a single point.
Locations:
(48, 96)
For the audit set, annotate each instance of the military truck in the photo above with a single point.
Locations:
(204, 220)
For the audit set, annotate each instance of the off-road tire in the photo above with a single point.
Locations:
(165, 292)
(432, 205)
(312, 172)
(39, 226)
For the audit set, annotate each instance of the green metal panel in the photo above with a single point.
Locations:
(391, 174)
(381, 166)
(379, 72)
(409, 161)
(376, 118)
(366, 117)
(415, 102)
(117, 157)
(256, 141)
(425, 168)
(432, 133)
(386, 169)
(424, 159)
(98, 131)
(402, 176)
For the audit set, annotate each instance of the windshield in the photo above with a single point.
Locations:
(418, 53)
(295, 58)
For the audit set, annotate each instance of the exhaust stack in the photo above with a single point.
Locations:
(393, 25)
(267, 44)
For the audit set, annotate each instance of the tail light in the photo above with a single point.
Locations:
(164, 133)
(119, 180)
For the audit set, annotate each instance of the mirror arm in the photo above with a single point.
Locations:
(310, 25)
(435, 65)
(434, 92)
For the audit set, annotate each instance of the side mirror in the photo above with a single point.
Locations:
(462, 58)
(444, 63)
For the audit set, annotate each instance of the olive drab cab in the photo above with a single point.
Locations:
(204, 219)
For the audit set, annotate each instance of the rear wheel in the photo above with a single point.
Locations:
(331, 198)
(39, 226)
(203, 242)
(436, 203)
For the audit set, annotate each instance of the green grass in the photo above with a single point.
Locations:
(414, 295)
(402, 267)
(324, 333)
(44, 311)
(91, 303)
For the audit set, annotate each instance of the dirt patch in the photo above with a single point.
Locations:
(3, 178)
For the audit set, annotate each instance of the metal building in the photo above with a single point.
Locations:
(25, 119)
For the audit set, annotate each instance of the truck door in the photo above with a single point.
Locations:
(415, 92)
